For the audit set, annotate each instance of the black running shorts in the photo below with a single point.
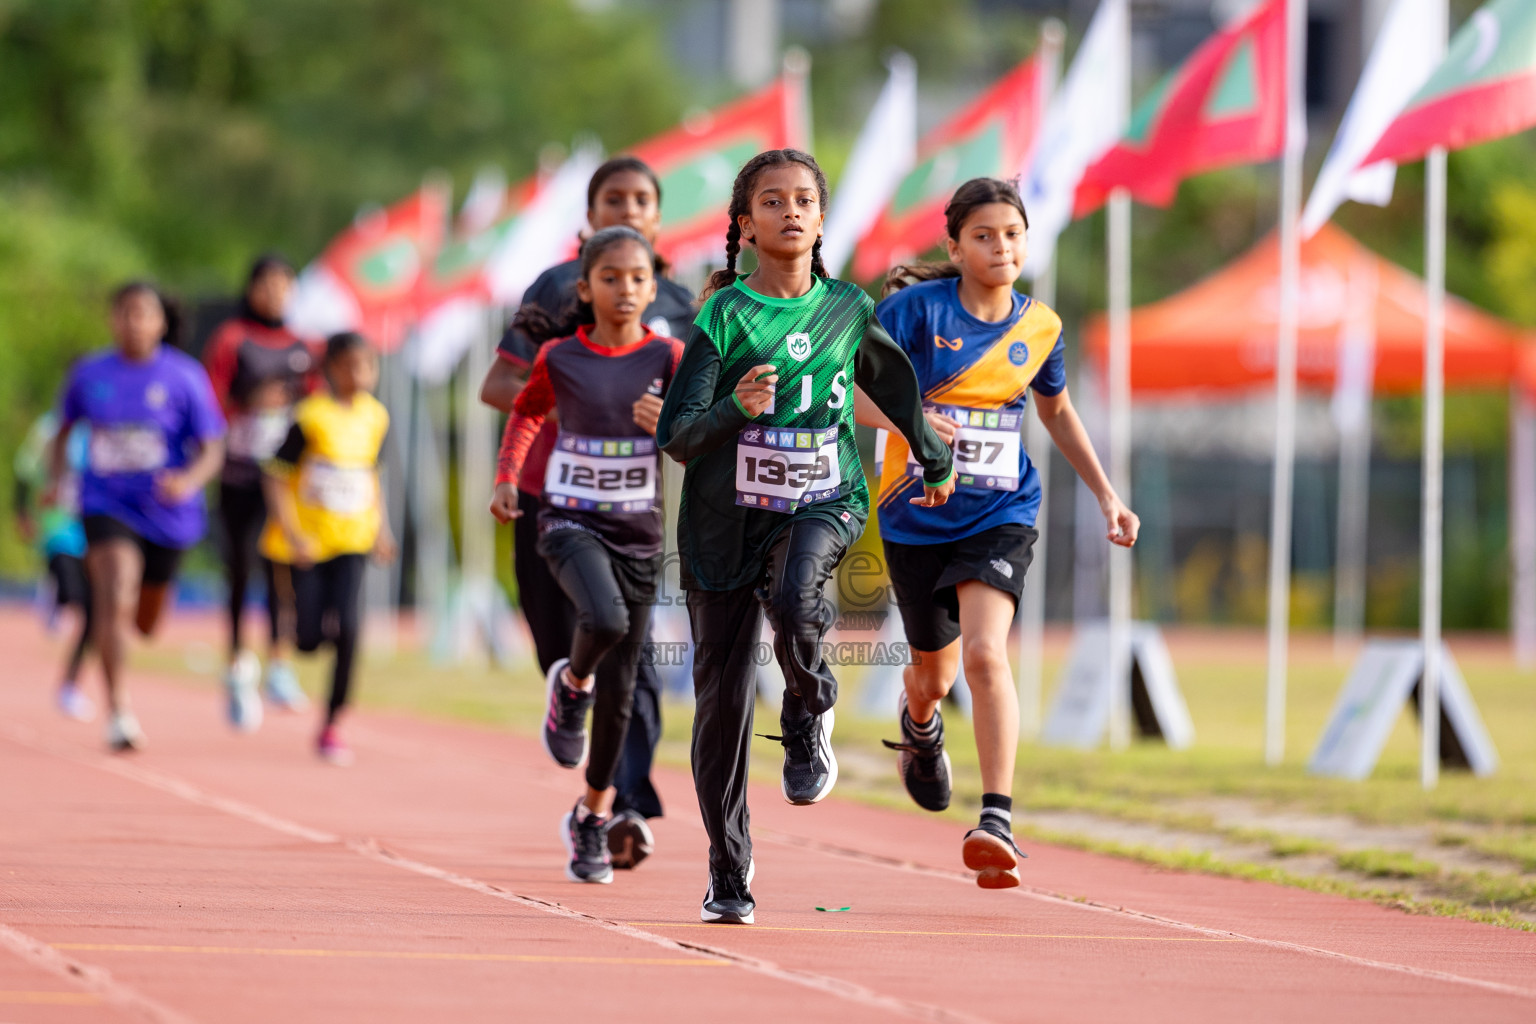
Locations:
(160, 562)
(923, 578)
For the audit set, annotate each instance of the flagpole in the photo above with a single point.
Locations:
(1434, 443)
(1031, 683)
(1285, 383)
(1119, 660)
(1522, 518)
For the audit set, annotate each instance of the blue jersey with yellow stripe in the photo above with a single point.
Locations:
(964, 363)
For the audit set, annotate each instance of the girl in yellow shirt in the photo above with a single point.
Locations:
(328, 514)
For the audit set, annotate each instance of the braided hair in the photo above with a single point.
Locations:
(741, 206)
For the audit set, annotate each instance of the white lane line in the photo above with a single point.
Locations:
(371, 850)
(1060, 899)
(93, 979)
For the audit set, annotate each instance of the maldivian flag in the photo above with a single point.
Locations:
(1485, 88)
(379, 263)
(697, 163)
(1224, 106)
(990, 138)
(458, 269)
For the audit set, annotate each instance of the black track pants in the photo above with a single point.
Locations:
(328, 599)
(612, 596)
(726, 627)
(243, 514)
(550, 616)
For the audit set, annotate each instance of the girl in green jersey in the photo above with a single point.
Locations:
(774, 492)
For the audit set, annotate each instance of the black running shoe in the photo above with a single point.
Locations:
(728, 900)
(810, 767)
(630, 840)
(990, 851)
(923, 764)
(586, 841)
(565, 722)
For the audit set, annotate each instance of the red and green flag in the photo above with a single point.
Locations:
(989, 138)
(381, 262)
(697, 163)
(1222, 107)
(458, 269)
(1484, 89)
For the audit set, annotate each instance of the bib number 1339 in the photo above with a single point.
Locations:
(784, 469)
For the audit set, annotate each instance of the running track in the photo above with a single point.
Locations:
(217, 878)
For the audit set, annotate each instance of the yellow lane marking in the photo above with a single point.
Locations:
(51, 998)
(388, 954)
(983, 935)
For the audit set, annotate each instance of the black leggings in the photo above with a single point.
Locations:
(327, 598)
(243, 513)
(71, 586)
(612, 595)
(551, 619)
(727, 625)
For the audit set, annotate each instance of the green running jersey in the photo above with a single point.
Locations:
(747, 476)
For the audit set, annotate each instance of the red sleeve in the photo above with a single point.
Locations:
(533, 404)
(220, 357)
(677, 357)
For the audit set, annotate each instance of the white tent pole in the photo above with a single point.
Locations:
(1285, 384)
(1037, 442)
(1522, 525)
(1434, 467)
(1119, 662)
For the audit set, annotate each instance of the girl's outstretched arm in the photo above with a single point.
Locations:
(692, 423)
(1066, 430)
(884, 373)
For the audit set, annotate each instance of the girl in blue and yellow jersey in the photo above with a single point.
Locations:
(322, 487)
(979, 348)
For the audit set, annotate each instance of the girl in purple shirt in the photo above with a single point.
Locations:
(156, 439)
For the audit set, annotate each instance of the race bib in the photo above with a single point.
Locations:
(342, 490)
(257, 436)
(127, 448)
(782, 469)
(602, 474)
(987, 449)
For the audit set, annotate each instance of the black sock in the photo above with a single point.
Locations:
(999, 809)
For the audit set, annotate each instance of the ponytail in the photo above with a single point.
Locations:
(903, 275)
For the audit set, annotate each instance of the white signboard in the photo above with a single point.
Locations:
(1079, 715)
(1385, 677)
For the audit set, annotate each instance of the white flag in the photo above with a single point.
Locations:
(1086, 116)
(884, 153)
(1407, 50)
(544, 230)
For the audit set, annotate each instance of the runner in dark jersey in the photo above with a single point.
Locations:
(600, 527)
(623, 191)
(156, 439)
(259, 370)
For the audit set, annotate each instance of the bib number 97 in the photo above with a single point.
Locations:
(578, 475)
(779, 471)
(978, 453)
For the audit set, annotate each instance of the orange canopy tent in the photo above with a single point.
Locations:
(1220, 334)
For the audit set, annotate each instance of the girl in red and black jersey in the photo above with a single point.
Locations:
(623, 191)
(600, 526)
(259, 369)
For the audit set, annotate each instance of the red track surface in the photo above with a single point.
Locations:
(219, 878)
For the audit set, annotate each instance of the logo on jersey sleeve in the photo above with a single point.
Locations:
(953, 344)
(799, 346)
